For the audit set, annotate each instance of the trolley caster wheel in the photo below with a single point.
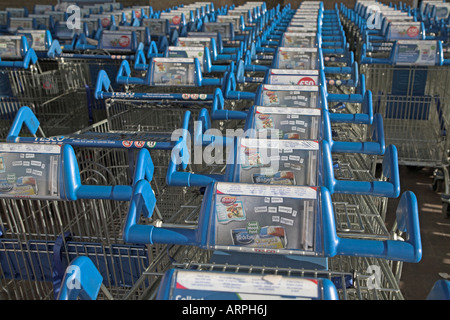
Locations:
(438, 185)
(445, 205)
(446, 210)
(438, 181)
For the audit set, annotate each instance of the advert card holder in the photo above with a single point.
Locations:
(200, 285)
(234, 19)
(404, 31)
(105, 20)
(24, 23)
(187, 52)
(293, 77)
(416, 52)
(286, 123)
(11, 47)
(172, 72)
(299, 40)
(289, 96)
(264, 218)
(124, 40)
(30, 171)
(37, 39)
(3, 18)
(175, 18)
(226, 30)
(194, 42)
(157, 27)
(296, 58)
(277, 162)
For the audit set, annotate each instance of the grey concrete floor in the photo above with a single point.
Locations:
(418, 278)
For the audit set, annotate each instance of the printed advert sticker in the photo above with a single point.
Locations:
(173, 71)
(213, 285)
(118, 41)
(29, 171)
(290, 58)
(266, 223)
(290, 96)
(287, 123)
(416, 52)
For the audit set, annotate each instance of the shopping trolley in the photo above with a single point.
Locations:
(357, 284)
(53, 92)
(413, 102)
(202, 48)
(166, 79)
(40, 231)
(212, 233)
(307, 157)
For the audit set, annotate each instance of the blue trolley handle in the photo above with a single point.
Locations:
(179, 159)
(75, 190)
(440, 290)
(407, 218)
(140, 62)
(366, 117)
(81, 280)
(29, 58)
(142, 202)
(103, 84)
(23, 116)
(219, 113)
(208, 67)
(232, 93)
(201, 135)
(389, 188)
(375, 147)
(124, 75)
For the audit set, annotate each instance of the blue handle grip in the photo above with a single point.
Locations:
(23, 116)
(440, 290)
(124, 75)
(102, 84)
(75, 190)
(363, 118)
(231, 93)
(29, 58)
(389, 188)
(140, 62)
(376, 147)
(81, 280)
(219, 113)
(397, 250)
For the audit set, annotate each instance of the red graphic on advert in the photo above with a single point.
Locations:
(306, 81)
(412, 32)
(124, 41)
(139, 144)
(127, 143)
(105, 22)
(176, 20)
(179, 286)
